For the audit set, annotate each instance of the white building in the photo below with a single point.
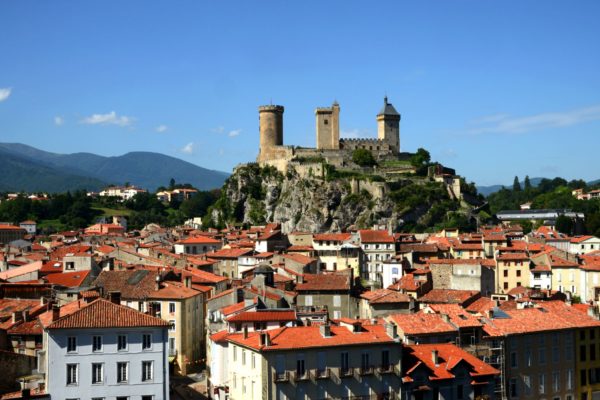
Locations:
(197, 245)
(377, 247)
(125, 193)
(103, 350)
(29, 226)
(584, 244)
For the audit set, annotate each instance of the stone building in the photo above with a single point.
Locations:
(329, 146)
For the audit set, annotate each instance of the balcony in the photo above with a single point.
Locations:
(345, 372)
(365, 370)
(281, 377)
(385, 369)
(301, 375)
(322, 373)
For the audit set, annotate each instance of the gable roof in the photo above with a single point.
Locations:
(105, 314)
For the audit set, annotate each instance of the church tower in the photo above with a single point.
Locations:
(388, 126)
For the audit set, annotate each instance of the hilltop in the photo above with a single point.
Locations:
(31, 169)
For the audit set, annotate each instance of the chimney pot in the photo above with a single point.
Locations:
(245, 331)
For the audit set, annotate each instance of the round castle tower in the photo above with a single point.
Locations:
(270, 120)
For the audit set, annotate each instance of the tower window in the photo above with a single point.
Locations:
(326, 122)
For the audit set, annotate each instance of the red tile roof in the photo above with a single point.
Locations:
(449, 296)
(229, 253)
(104, 314)
(199, 240)
(264, 316)
(305, 337)
(336, 237)
(324, 282)
(422, 324)
(448, 355)
(371, 236)
(382, 296)
(457, 315)
(68, 279)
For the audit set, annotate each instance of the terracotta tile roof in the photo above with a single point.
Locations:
(371, 236)
(220, 337)
(8, 306)
(449, 296)
(559, 262)
(324, 282)
(579, 239)
(449, 356)
(299, 258)
(419, 247)
(104, 314)
(200, 276)
(33, 327)
(199, 240)
(468, 246)
(266, 254)
(237, 307)
(68, 279)
(23, 270)
(105, 249)
(382, 296)
(455, 261)
(481, 305)
(335, 237)
(422, 324)
(264, 316)
(305, 337)
(5, 227)
(407, 282)
(458, 315)
(229, 253)
(512, 257)
(300, 248)
(548, 316)
(541, 268)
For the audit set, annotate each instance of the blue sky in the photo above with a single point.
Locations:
(493, 89)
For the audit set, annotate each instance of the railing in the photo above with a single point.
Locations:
(386, 369)
(345, 372)
(365, 370)
(322, 373)
(281, 377)
(301, 376)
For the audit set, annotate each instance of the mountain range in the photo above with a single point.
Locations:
(32, 170)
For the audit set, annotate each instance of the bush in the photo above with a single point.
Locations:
(363, 157)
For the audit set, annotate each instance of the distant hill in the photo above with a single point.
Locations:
(487, 190)
(22, 174)
(144, 169)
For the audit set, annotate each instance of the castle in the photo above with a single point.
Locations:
(329, 146)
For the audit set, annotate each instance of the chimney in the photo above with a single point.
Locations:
(300, 278)
(42, 301)
(497, 302)
(391, 329)
(157, 283)
(188, 282)
(245, 331)
(435, 357)
(445, 318)
(115, 297)
(325, 330)
(55, 312)
(25, 393)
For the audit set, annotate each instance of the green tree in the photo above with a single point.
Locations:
(420, 158)
(363, 157)
(516, 185)
(527, 183)
(172, 184)
(564, 225)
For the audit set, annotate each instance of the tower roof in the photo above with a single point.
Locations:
(388, 108)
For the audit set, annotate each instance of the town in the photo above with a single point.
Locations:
(253, 312)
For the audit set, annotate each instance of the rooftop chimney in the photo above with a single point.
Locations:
(25, 393)
(325, 330)
(55, 312)
(188, 281)
(445, 317)
(245, 331)
(157, 283)
(435, 357)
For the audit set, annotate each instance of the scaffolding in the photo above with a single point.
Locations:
(492, 352)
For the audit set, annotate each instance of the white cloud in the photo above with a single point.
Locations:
(58, 120)
(504, 123)
(234, 133)
(218, 129)
(188, 148)
(162, 128)
(108, 119)
(4, 93)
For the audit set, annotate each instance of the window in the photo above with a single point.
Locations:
(253, 358)
(555, 354)
(122, 398)
(569, 379)
(364, 360)
(172, 325)
(337, 300)
(555, 381)
(146, 341)
(97, 373)
(97, 343)
(582, 356)
(243, 357)
(542, 384)
(505, 285)
(122, 372)
(71, 374)
(147, 371)
(527, 385)
(542, 355)
(234, 353)
(385, 358)
(513, 388)
(518, 273)
(71, 344)
(172, 307)
(513, 360)
(592, 352)
(344, 361)
(528, 357)
(308, 300)
(147, 397)
(459, 392)
(300, 365)
(122, 342)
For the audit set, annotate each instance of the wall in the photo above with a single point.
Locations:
(13, 366)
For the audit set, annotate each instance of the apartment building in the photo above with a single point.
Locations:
(315, 362)
(103, 350)
(512, 270)
(377, 247)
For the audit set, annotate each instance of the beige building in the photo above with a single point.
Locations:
(512, 270)
(315, 362)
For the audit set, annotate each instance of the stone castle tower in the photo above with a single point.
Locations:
(270, 122)
(388, 125)
(328, 127)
